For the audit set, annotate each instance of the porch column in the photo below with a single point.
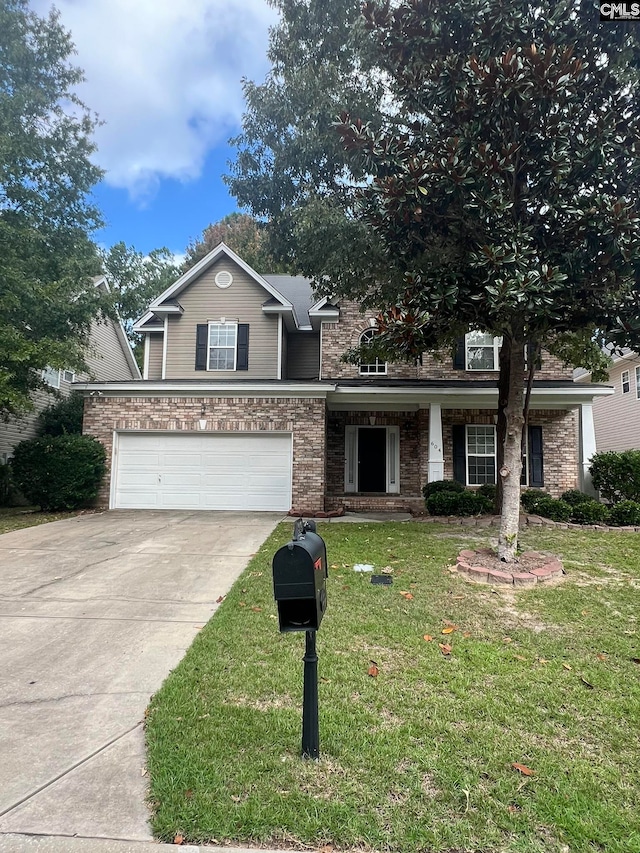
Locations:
(587, 447)
(436, 453)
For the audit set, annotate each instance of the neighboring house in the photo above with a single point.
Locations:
(109, 358)
(246, 404)
(617, 417)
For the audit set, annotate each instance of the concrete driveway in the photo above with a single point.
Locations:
(94, 613)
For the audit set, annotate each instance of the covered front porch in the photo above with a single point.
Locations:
(385, 442)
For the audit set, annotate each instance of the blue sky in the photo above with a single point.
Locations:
(165, 80)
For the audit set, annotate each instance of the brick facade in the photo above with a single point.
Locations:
(559, 437)
(303, 417)
(339, 337)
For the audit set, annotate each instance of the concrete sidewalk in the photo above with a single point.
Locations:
(95, 611)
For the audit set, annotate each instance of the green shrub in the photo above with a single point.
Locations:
(553, 509)
(443, 503)
(441, 486)
(63, 417)
(488, 490)
(589, 512)
(473, 503)
(625, 513)
(576, 497)
(457, 503)
(617, 475)
(59, 472)
(531, 498)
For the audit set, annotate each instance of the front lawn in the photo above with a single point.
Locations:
(420, 757)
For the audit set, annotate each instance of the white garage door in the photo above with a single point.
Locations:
(221, 471)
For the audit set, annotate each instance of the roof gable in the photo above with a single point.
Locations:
(162, 301)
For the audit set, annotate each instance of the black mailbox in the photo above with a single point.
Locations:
(299, 579)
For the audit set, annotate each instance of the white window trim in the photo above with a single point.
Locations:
(497, 343)
(51, 370)
(351, 458)
(72, 373)
(479, 455)
(209, 348)
(638, 383)
(380, 366)
(624, 382)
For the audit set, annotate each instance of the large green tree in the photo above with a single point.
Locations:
(242, 233)
(46, 258)
(501, 188)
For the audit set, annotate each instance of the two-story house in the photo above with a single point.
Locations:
(246, 404)
(109, 357)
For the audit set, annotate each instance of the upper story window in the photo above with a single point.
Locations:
(481, 351)
(51, 376)
(68, 375)
(626, 385)
(375, 367)
(638, 383)
(222, 346)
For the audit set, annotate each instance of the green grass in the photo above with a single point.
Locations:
(16, 518)
(419, 758)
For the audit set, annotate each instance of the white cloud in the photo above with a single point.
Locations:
(164, 77)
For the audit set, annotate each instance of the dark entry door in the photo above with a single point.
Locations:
(372, 459)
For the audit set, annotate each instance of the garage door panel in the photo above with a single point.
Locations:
(214, 471)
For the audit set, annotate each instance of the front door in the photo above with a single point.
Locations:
(372, 459)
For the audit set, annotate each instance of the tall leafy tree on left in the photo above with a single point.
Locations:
(47, 259)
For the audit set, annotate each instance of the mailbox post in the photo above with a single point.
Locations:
(299, 587)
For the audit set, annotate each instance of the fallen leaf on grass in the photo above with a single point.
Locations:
(449, 629)
(519, 657)
(373, 669)
(602, 656)
(405, 594)
(466, 635)
(445, 648)
(242, 603)
(586, 683)
(220, 598)
(178, 839)
(428, 638)
(522, 768)
(143, 771)
(542, 660)
(256, 609)
(507, 640)
(567, 666)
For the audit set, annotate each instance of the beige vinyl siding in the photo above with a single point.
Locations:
(106, 359)
(154, 342)
(617, 418)
(203, 302)
(303, 360)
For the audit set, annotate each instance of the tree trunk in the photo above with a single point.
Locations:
(504, 376)
(510, 471)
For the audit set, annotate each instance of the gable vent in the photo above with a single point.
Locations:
(223, 278)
